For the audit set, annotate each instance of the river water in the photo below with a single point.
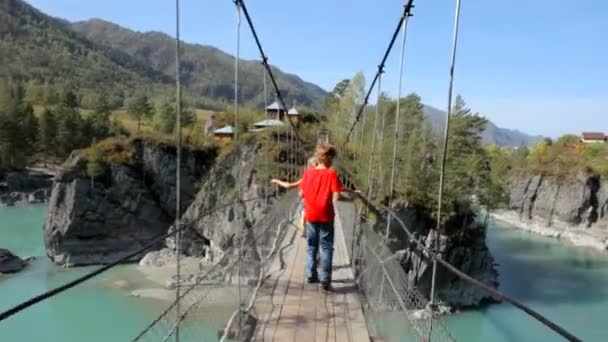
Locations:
(567, 284)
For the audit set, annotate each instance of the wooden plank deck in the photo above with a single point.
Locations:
(289, 309)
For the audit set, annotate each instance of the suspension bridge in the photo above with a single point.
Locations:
(269, 297)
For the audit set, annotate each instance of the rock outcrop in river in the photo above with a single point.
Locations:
(582, 201)
(10, 263)
(127, 206)
(26, 186)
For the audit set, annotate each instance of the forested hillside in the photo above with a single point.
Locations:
(48, 55)
(207, 71)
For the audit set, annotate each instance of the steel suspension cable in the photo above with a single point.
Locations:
(269, 138)
(264, 58)
(445, 150)
(406, 13)
(236, 141)
(178, 110)
(370, 172)
(149, 245)
(397, 127)
(494, 292)
(431, 254)
(443, 161)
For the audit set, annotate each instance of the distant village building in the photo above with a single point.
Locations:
(593, 137)
(293, 115)
(224, 133)
(275, 111)
(267, 123)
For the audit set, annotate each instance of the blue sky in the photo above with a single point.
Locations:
(540, 66)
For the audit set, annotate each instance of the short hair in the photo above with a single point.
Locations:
(325, 153)
(313, 161)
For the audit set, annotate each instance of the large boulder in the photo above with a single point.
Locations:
(129, 205)
(10, 263)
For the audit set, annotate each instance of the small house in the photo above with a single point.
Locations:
(224, 133)
(293, 115)
(593, 137)
(267, 123)
(275, 111)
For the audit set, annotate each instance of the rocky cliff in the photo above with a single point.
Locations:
(580, 202)
(212, 233)
(466, 250)
(125, 207)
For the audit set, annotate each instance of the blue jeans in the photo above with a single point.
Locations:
(320, 238)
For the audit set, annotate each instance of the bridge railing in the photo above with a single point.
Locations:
(389, 298)
(371, 254)
(224, 292)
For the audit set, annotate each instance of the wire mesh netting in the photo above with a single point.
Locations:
(388, 296)
(213, 296)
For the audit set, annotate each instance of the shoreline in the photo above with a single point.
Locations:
(590, 238)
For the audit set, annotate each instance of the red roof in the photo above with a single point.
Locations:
(594, 136)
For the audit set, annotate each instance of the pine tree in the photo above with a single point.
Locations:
(100, 118)
(28, 130)
(69, 130)
(69, 99)
(94, 166)
(140, 109)
(164, 118)
(47, 134)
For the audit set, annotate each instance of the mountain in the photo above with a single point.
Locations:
(492, 134)
(207, 71)
(43, 51)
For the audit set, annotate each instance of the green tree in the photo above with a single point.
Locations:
(69, 99)
(140, 109)
(100, 118)
(164, 118)
(94, 163)
(28, 129)
(47, 134)
(69, 126)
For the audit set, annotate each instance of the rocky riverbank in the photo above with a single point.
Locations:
(594, 238)
(28, 186)
(574, 210)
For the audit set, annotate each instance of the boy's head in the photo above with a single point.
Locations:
(325, 154)
(313, 162)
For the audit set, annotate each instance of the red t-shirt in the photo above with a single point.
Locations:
(317, 186)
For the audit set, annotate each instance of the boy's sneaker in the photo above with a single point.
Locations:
(326, 287)
(312, 280)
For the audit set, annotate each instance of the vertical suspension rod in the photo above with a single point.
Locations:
(237, 57)
(178, 133)
(444, 154)
(371, 168)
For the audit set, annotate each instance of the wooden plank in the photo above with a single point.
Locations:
(289, 309)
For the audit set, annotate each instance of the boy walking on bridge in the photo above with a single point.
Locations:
(320, 186)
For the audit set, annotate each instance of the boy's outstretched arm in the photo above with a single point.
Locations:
(286, 185)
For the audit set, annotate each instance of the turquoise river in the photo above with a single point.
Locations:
(567, 284)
